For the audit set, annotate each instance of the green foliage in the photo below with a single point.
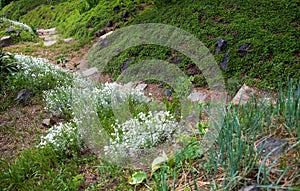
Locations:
(39, 169)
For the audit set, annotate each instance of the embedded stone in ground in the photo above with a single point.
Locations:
(5, 41)
(90, 71)
(197, 97)
(49, 43)
(24, 95)
(141, 86)
(271, 147)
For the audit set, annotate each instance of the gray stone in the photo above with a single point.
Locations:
(167, 92)
(51, 37)
(244, 95)
(270, 146)
(125, 14)
(125, 65)
(47, 122)
(243, 49)
(224, 63)
(141, 86)
(24, 95)
(50, 31)
(9, 30)
(90, 71)
(68, 40)
(100, 33)
(109, 24)
(220, 45)
(5, 41)
(197, 97)
(49, 43)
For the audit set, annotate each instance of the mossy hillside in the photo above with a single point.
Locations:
(79, 18)
(270, 27)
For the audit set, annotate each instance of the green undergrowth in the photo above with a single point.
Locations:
(80, 19)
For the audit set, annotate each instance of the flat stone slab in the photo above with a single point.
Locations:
(271, 147)
(105, 35)
(90, 71)
(51, 38)
(141, 86)
(197, 97)
(68, 40)
(49, 43)
(47, 31)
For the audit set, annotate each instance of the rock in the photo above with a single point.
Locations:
(167, 93)
(18, 32)
(50, 31)
(176, 61)
(47, 122)
(109, 24)
(220, 45)
(100, 33)
(243, 49)
(125, 14)
(5, 41)
(125, 65)
(267, 144)
(224, 63)
(24, 95)
(116, 8)
(49, 43)
(90, 71)
(9, 30)
(197, 97)
(141, 86)
(117, 27)
(52, 7)
(104, 36)
(250, 188)
(244, 95)
(68, 40)
(51, 37)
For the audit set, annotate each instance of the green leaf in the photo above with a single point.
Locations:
(158, 161)
(137, 178)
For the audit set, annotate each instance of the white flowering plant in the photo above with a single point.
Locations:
(64, 138)
(140, 133)
(18, 25)
(37, 74)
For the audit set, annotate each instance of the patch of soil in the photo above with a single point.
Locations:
(20, 128)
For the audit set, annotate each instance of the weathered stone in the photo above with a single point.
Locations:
(141, 86)
(90, 71)
(24, 95)
(125, 65)
(9, 30)
(47, 122)
(68, 40)
(197, 97)
(243, 49)
(50, 31)
(51, 37)
(109, 24)
(5, 41)
(168, 92)
(100, 33)
(52, 7)
(220, 45)
(104, 36)
(244, 95)
(271, 147)
(125, 14)
(224, 63)
(116, 8)
(49, 43)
